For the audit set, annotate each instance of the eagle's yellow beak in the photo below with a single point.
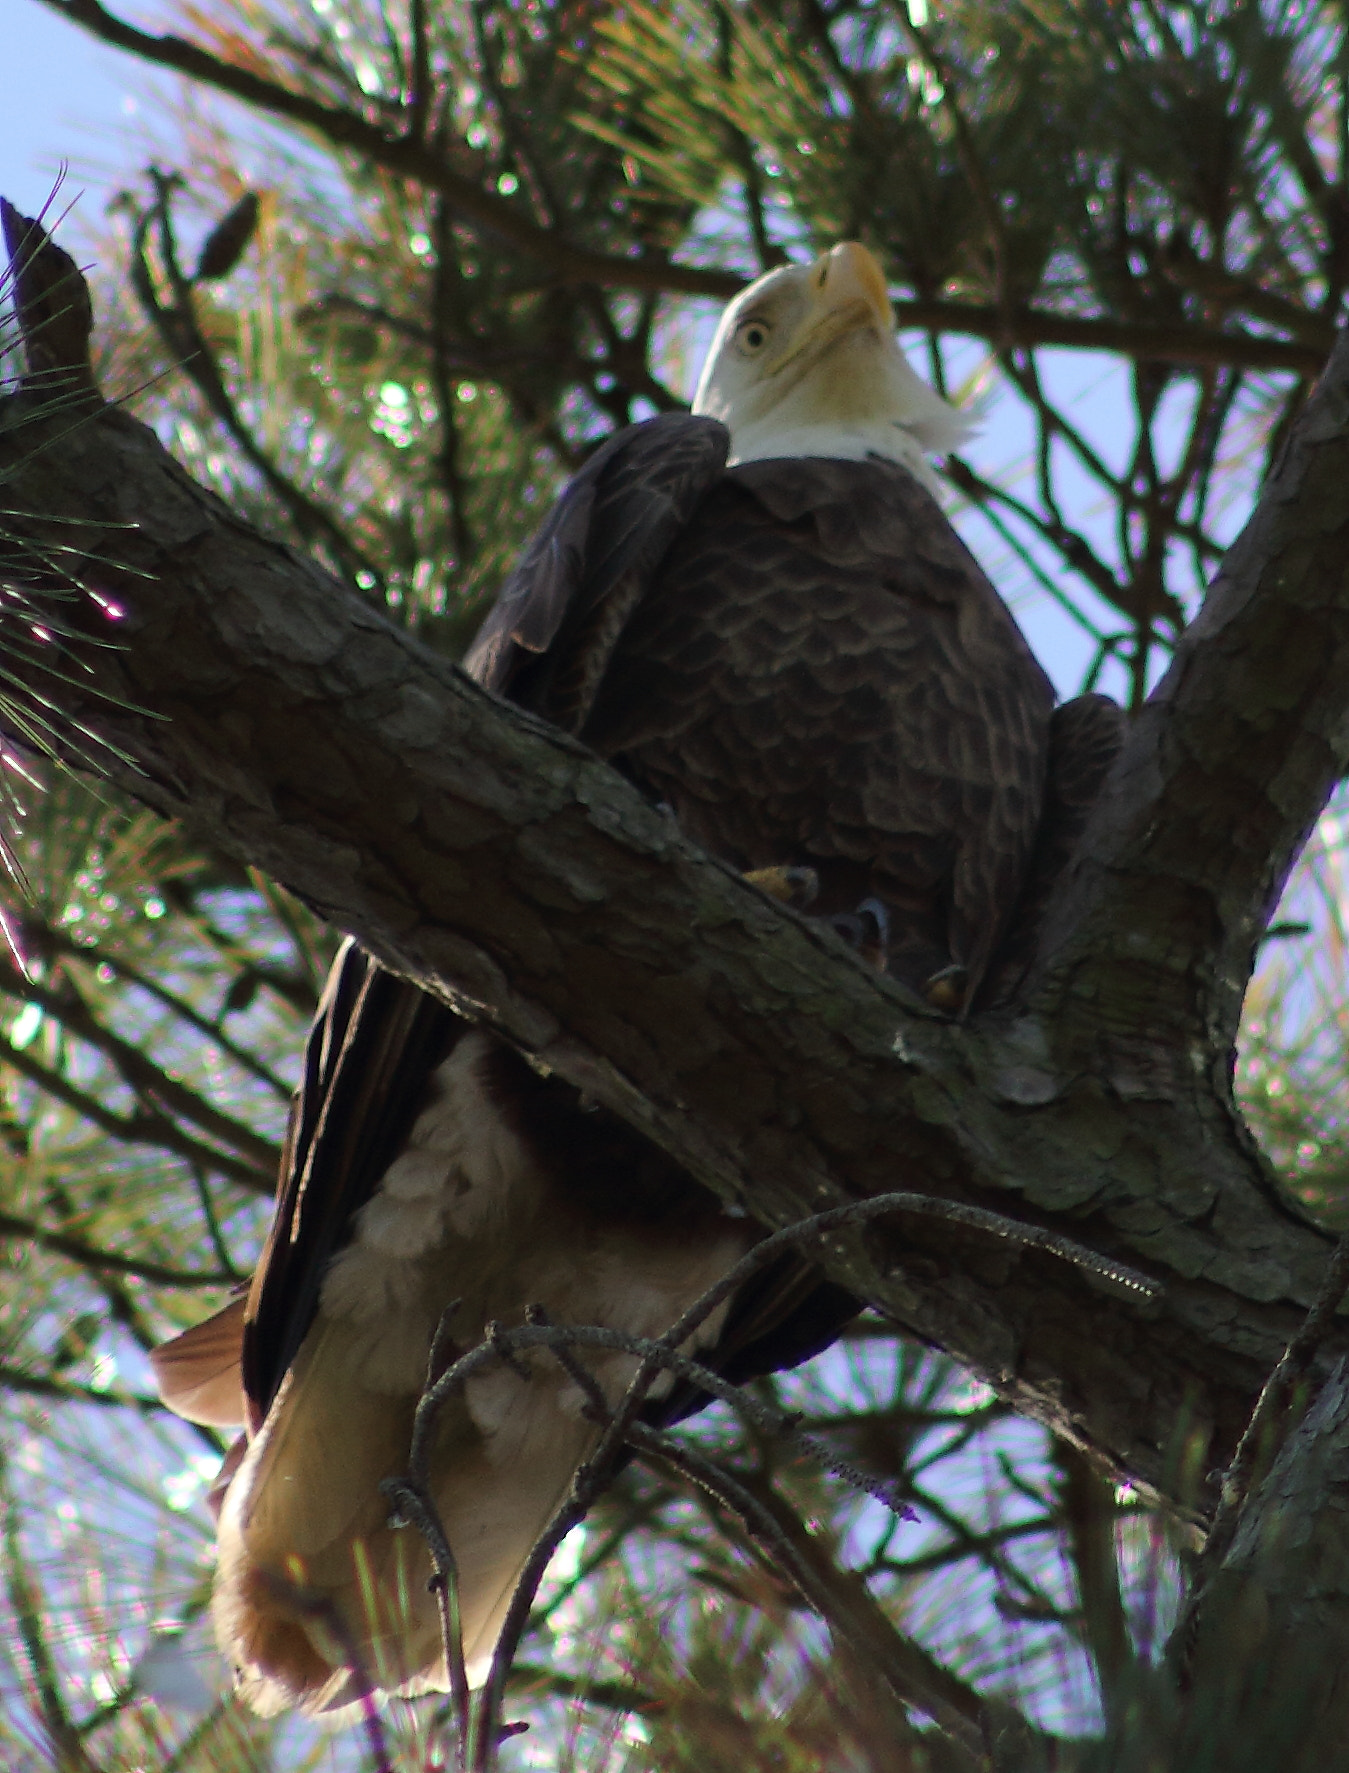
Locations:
(847, 292)
(847, 274)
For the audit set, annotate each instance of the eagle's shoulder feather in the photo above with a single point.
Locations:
(591, 558)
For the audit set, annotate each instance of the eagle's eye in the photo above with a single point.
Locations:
(751, 336)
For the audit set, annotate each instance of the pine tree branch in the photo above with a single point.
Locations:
(52, 940)
(617, 1696)
(147, 1126)
(1229, 764)
(69, 1391)
(69, 1754)
(403, 154)
(181, 334)
(410, 157)
(87, 1255)
(871, 1645)
(150, 1083)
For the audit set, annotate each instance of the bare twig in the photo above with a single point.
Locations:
(621, 1428)
(413, 1504)
(587, 1486)
(662, 1351)
(664, 1354)
(929, 1206)
(414, 1507)
(621, 1432)
(592, 1478)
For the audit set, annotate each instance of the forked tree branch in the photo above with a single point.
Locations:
(1229, 763)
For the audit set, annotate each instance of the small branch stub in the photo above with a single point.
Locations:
(52, 305)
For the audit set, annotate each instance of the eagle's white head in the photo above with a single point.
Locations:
(805, 363)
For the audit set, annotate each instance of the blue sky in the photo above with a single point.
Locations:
(63, 98)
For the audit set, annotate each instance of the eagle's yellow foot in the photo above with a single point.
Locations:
(946, 990)
(867, 930)
(796, 887)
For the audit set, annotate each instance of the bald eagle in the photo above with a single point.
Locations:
(759, 614)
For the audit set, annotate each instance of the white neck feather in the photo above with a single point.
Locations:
(852, 442)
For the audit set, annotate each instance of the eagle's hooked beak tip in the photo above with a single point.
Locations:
(847, 273)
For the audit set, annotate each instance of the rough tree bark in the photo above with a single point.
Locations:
(245, 692)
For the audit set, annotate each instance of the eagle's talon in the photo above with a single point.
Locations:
(797, 887)
(946, 990)
(866, 930)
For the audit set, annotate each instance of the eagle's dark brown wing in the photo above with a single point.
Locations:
(820, 674)
(1085, 737)
(547, 640)
(373, 1046)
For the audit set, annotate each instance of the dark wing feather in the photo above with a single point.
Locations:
(820, 673)
(374, 1043)
(547, 641)
(1085, 737)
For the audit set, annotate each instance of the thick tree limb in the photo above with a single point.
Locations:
(1265, 1666)
(1230, 762)
(509, 871)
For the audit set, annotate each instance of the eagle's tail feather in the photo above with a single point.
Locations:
(317, 1598)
